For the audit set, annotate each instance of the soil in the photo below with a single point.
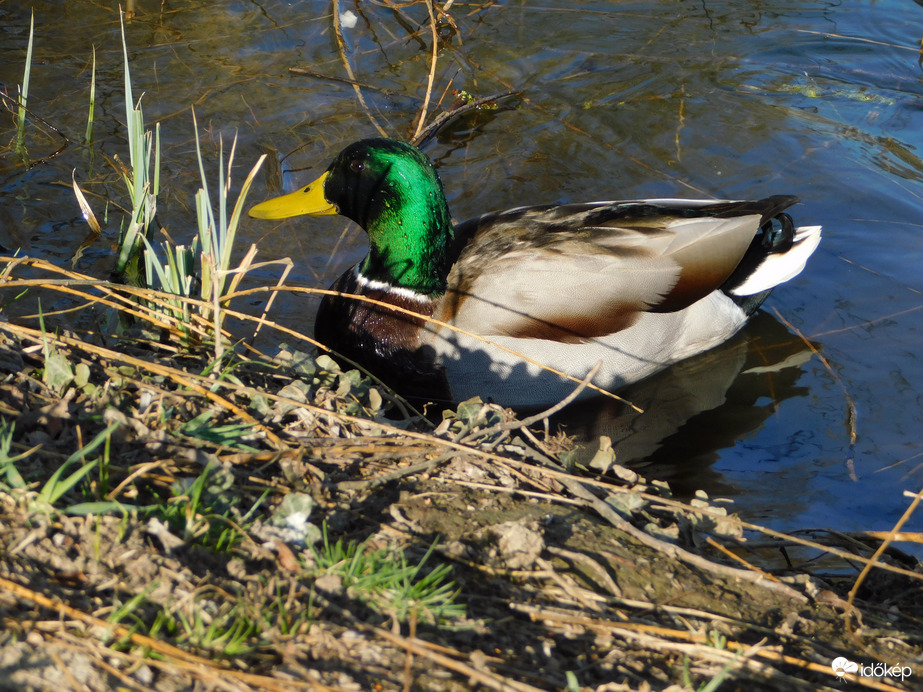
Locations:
(197, 550)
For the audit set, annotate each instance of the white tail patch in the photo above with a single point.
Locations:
(778, 268)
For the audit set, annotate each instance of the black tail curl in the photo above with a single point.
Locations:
(777, 239)
(777, 235)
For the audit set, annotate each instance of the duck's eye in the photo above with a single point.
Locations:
(356, 165)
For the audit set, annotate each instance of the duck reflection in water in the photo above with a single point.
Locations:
(696, 408)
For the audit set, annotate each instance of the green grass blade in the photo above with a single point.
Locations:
(241, 200)
(82, 509)
(88, 137)
(206, 241)
(156, 190)
(54, 488)
(154, 267)
(224, 182)
(131, 605)
(8, 461)
(24, 91)
(129, 99)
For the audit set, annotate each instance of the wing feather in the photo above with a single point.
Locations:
(551, 276)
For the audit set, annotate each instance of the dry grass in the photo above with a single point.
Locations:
(566, 579)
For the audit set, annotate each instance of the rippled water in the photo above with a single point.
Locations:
(618, 100)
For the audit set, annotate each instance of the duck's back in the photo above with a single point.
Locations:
(634, 286)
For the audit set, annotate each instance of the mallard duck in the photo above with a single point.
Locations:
(630, 285)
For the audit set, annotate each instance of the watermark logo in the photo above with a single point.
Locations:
(842, 666)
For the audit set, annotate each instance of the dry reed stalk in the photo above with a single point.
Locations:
(665, 637)
(734, 556)
(432, 69)
(851, 405)
(560, 474)
(488, 679)
(884, 545)
(120, 298)
(341, 49)
(181, 378)
(797, 540)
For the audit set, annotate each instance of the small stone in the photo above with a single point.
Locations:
(331, 584)
(520, 543)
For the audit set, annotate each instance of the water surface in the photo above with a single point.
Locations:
(618, 100)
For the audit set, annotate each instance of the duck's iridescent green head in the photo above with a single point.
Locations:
(392, 190)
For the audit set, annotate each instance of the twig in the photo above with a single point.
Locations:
(408, 656)
(851, 405)
(567, 586)
(734, 556)
(589, 562)
(102, 663)
(658, 636)
(443, 118)
(546, 497)
(341, 49)
(884, 545)
(547, 413)
(178, 376)
(487, 679)
(320, 75)
(33, 116)
(393, 475)
(860, 39)
(797, 540)
(670, 550)
(432, 69)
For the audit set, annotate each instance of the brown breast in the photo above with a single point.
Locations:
(382, 340)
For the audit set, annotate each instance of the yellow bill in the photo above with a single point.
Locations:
(307, 200)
